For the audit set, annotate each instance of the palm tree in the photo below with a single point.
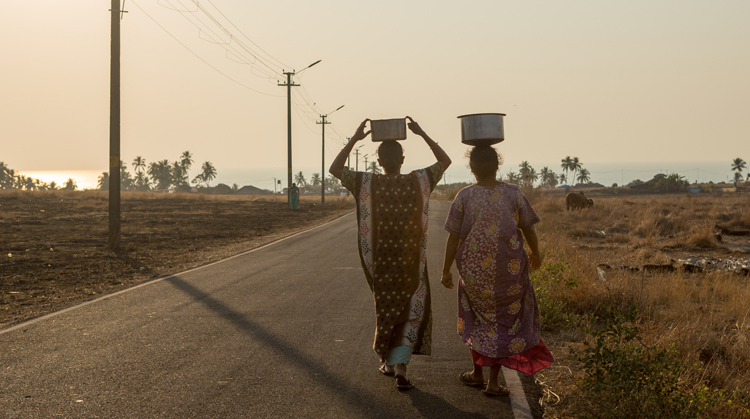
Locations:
(103, 183)
(575, 166)
(160, 174)
(315, 179)
(513, 177)
(548, 177)
(299, 180)
(186, 160)
(139, 164)
(141, 181)
(528, 174)
(333, 183)
(208, 172)
(70, 185)
(179, 175)
(562, 178)
(566, 165)
(374, 168)
(584, 176)
(739, 165)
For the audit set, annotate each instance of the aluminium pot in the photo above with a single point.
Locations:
(388, 129)
(482, 128)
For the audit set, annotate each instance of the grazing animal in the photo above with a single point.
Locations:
(577, 200)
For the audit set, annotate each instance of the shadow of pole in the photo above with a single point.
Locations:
(354, 397)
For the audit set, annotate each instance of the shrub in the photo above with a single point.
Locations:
(624, 378)
(548, 281)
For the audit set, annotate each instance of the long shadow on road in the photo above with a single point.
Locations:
(317, 371)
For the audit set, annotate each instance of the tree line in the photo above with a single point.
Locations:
(161, 175)
(547, 178)
(9, 179)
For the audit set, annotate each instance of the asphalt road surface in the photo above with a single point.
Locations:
(283, 331)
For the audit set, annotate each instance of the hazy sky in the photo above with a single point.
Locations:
(604, 81)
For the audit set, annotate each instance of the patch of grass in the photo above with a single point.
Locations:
(625, 378)
(548, 281)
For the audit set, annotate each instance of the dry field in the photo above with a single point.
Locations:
(704, 315)
(53, 244)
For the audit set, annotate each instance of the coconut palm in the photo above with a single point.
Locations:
(566, 165)
(738, 165)
(179, 176)
(299, 179)
(139, 164)
(374, 168)
(584, 176)
(186, 160)
(141, 181)
(315, 179)
(575, 166)
(528, 174)
(333, 183)
(548, 177)
(160, 173)
(103, 182)
(562, 178)
(208, 172)
(513, 177)
(70, 185)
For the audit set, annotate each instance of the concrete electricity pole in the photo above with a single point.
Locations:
(323, 124)
(289, 86)
(114, 127)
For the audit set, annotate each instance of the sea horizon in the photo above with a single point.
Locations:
(607, 174)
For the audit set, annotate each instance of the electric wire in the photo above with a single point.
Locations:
(198, 56)
(203, 27)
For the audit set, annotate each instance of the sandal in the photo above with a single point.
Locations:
(401, 385)
(502, 391)
(387, 370)
(466, 379)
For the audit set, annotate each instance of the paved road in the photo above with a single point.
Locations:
(282, 331)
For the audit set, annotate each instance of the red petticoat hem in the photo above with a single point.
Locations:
(529, 362)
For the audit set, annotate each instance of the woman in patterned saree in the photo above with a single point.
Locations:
(498, 315)
(392, 214)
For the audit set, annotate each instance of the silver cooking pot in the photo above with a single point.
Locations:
(388, 129)
(482, 128)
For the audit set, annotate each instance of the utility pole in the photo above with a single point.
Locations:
(114, 127)
(356, 160)
(323, 124)
(349, 157)
(289, 86)
(323, 160)
(365, 162)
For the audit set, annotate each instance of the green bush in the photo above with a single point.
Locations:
(548, 280)
(624, 378)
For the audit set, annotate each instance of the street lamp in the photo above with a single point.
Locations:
(323, 157)
(289, 86)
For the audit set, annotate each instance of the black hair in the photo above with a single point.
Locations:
(484, 161)
(391, 155)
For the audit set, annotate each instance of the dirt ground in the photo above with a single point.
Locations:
(53, 244)
(633, 231)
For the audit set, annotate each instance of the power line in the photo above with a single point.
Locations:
(198, 56)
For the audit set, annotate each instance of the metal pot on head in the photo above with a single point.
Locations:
(388, 129)
(482, 128)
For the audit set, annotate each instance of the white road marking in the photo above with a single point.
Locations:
(521, 409)
(38, 319)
